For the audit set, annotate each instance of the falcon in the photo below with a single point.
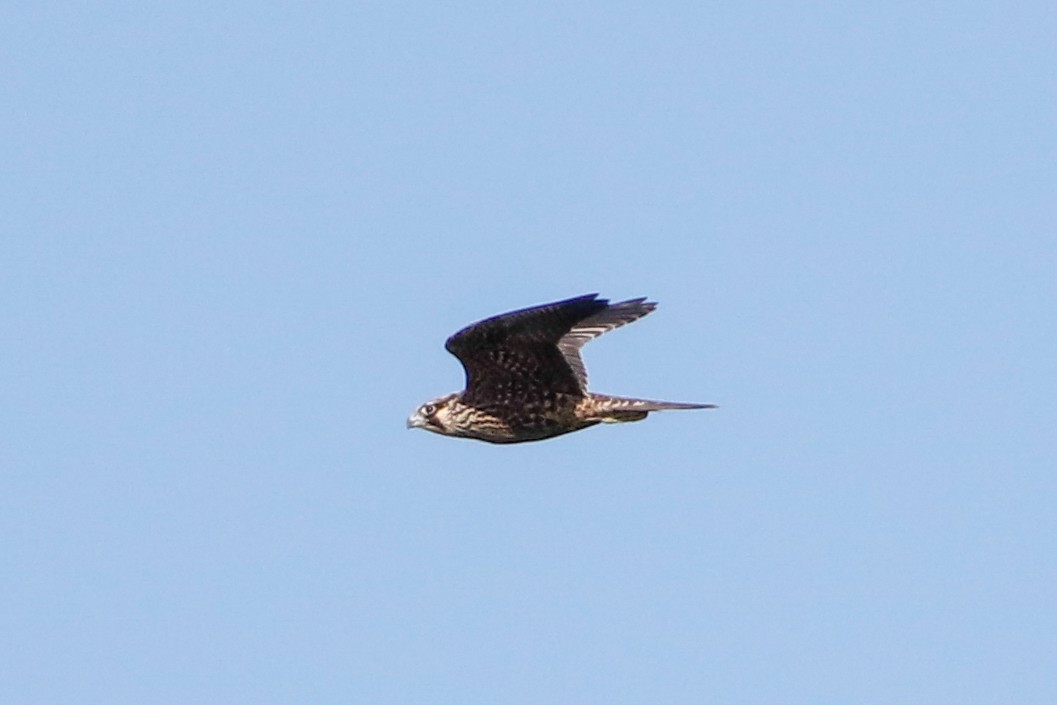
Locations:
(525, 380)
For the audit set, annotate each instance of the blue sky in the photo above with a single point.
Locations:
(236, 238)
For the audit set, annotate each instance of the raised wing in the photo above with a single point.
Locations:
(536, 348)
(613, 316)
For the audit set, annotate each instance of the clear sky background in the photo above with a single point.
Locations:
(235, 238)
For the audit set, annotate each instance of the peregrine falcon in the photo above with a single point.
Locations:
(525, 380)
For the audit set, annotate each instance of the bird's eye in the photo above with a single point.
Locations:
(429, 409)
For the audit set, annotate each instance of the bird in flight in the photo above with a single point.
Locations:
(525, 380)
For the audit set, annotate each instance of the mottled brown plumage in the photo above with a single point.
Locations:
(525, 380)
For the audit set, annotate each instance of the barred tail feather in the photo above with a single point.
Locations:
(617, 409)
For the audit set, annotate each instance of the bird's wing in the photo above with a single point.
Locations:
(537, 347)
(518, 351)
(613, 316)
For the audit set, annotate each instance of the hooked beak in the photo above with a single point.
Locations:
(416, 420)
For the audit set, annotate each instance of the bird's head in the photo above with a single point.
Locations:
(436, 416)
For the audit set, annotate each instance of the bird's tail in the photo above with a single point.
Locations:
(620, 409)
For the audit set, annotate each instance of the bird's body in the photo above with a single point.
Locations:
(525, 380)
